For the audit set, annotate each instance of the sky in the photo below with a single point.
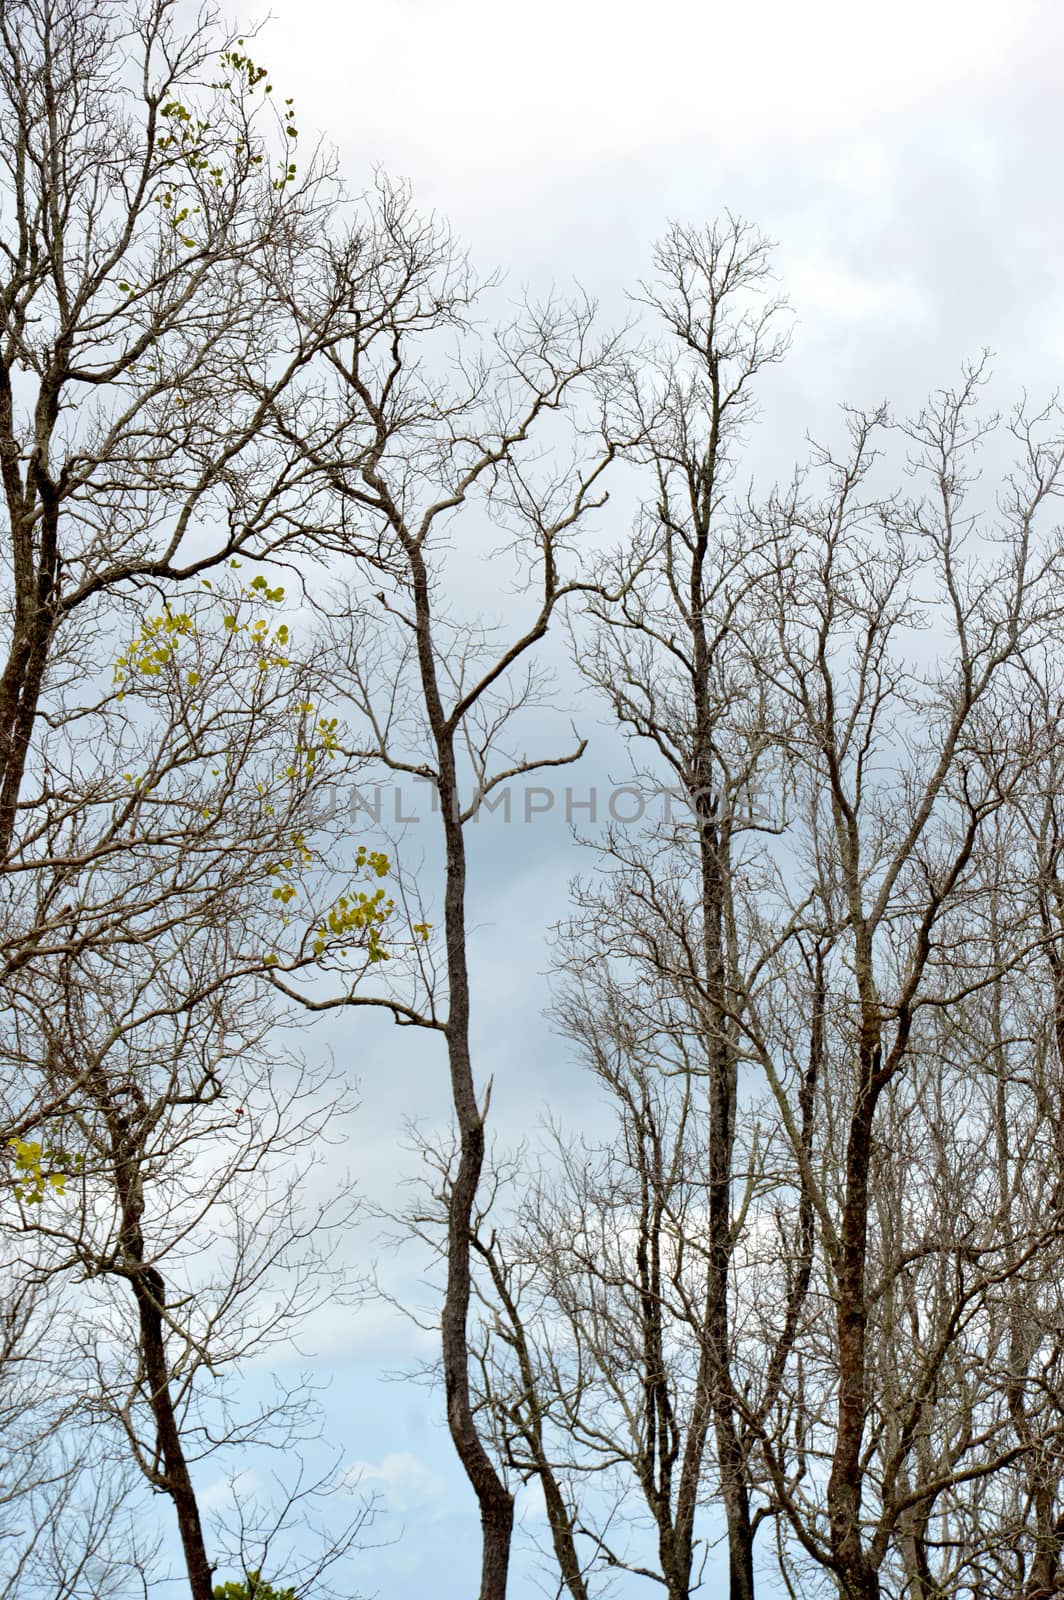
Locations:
(908, 161)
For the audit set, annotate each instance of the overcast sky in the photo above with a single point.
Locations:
(907, 159)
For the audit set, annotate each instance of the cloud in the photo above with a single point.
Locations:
(403, 1482)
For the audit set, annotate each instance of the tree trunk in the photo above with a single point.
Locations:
(149, 1292)
(716, 1363)
(858, 1579)
(494, 1499)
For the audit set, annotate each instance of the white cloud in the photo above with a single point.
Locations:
(404, 1483)
(485, 82)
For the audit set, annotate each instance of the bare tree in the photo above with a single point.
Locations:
(879, 1349)
(425, 426)
(897, 859)
(668, 656)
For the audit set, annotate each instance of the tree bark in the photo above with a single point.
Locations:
(715, 1367)
(149, 1291)
(494, 1499)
